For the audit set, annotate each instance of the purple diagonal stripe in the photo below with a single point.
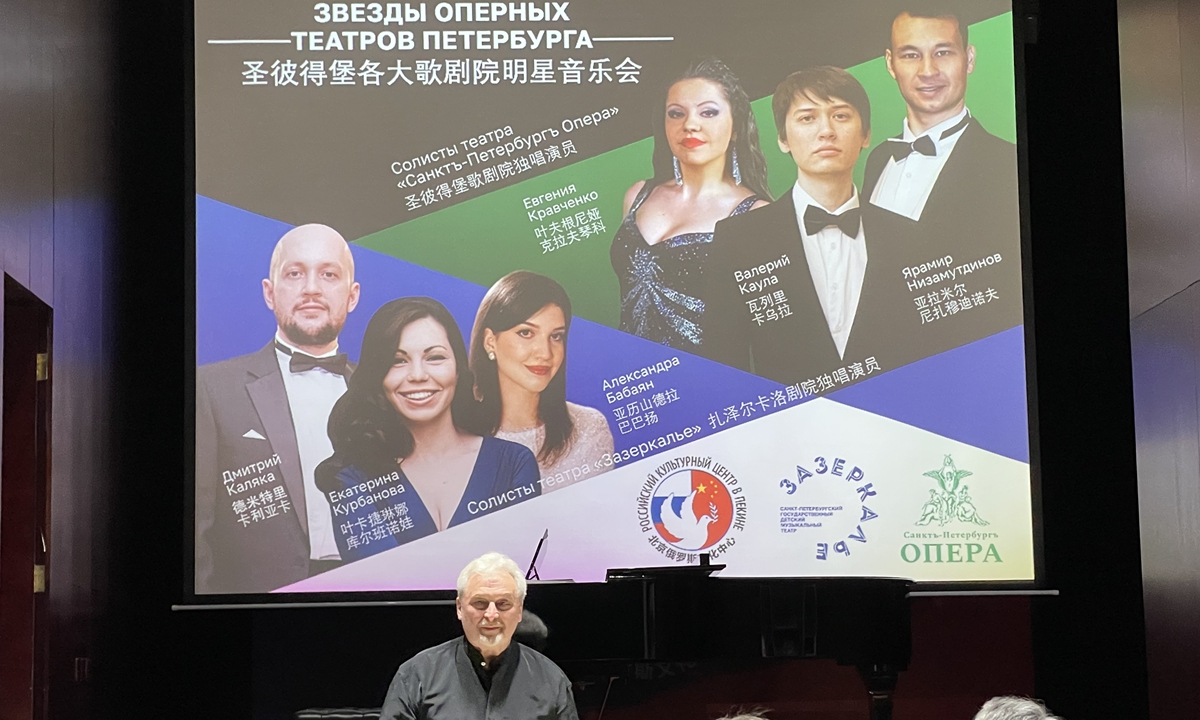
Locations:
(974, 394)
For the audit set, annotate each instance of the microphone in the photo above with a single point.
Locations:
(532, 630)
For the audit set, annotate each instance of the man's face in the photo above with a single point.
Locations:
(930, 63)
(311, 288)
(824, 137)
(489, 611)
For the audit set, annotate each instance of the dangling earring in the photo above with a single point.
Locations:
(678, 175)
(491, 356)
(737, 172)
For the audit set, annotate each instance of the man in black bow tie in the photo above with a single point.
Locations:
(805, 287)
(261, 522)
(950, 174)
(931, 60)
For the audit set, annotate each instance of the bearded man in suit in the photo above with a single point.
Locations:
(261, 522)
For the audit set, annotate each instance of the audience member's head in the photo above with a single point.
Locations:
(1013, 708)
(741, 714)
(531, 631)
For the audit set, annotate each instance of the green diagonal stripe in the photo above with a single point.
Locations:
(484, 238)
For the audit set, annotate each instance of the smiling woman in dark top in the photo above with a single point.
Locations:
(407, 459)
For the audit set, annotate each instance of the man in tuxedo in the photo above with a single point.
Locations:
(813, 283)
(261, 522)
(946, 171)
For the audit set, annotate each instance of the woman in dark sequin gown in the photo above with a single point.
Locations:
(707, 166)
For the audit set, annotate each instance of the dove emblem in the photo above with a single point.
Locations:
(690, 531)
(692, 510)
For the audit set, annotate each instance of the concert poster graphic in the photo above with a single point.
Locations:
(654, 280)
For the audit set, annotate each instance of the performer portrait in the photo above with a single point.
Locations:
(260, 427)
(483, 673)
(948, 172)
(406, 430)
(707, 166)
(519, 360)
(810, 284)
(931, 60)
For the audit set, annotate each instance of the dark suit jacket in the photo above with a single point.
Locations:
(977, 185)
(247, 552)
(973, 213)
(799, 346)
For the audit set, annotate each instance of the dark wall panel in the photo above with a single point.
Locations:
(1160, 94)
(1167, 382)
(79, 265)
(57, 239)
(1160, 99)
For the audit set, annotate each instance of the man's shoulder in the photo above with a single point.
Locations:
(431, 657)
(540, 662)
(978, 140)
(879, 152)
(450, 647)
(893, 240)
(884, 225)
(218, 373)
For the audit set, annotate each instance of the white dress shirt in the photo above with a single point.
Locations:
(905, 185)
(837, 263)
(311, 395)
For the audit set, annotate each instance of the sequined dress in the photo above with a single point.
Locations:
(661, 284)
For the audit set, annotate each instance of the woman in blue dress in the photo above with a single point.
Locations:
(707, 166)
(408, 461)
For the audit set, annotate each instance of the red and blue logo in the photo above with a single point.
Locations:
(691, 509)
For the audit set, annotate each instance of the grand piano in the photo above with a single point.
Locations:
(655, 616)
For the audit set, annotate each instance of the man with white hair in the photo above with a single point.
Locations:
(1013, 708)
(483, 674)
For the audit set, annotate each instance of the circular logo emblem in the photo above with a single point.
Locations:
(691, 509)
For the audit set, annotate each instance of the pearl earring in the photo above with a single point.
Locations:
(491, 356)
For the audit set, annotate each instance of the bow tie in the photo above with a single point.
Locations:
(302, 362)
(817, 219)
(901, 149)
(923, 144)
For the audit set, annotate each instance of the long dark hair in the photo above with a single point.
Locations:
(363, 424)
(751, 164)
(515, 298)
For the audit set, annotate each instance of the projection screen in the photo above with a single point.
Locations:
(646, 279)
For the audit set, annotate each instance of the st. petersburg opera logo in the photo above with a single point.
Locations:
(689, 505)
(950, 501)
(950, 504)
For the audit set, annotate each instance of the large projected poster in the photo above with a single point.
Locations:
(647, 279)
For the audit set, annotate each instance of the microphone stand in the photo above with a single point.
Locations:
(532, 573)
